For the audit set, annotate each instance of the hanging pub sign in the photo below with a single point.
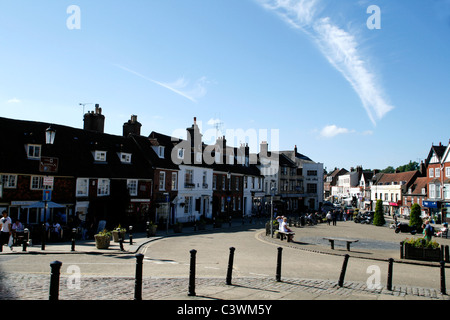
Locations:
(48, 164)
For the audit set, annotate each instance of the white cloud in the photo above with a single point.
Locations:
(340, 48)
(14, 100)
(332, 130)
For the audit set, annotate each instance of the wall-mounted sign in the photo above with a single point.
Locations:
(48, 164)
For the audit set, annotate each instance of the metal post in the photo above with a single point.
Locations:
(344, 269)
(131, 234)
(447, 257)
(443, 289)
(401, 249)
(390, 274)
(54, 280)
(138, 277)
(230, 265)
(120, 239)
(148, 229)
(26, 239)
(192, 274)
(74, 232)
(278, 276)
(43, 237)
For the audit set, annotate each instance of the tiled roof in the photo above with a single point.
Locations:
(74, 149)
(388, 178)
(419, 184)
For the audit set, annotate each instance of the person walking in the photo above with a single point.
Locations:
(5, 228)
(334, 217)
(329, 217)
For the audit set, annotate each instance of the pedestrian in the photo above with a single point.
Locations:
(334, 217)
(329, 217)
(427, 231)
(5, 228)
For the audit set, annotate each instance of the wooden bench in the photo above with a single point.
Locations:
(288, 235)
(348, 241)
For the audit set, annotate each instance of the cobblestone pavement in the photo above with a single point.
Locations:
(36, 287)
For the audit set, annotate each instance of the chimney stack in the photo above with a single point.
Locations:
(95, 121)
(132, 127)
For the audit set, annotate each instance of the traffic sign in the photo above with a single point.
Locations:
(47, 195)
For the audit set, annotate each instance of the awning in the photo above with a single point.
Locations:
(42, 204)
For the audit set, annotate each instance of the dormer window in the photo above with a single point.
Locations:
(159, 151)
(33, 151)
(125, 157)
(100, 156)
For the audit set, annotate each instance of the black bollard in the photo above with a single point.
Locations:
(192, 274)
(138, 277)
(278, 275)
(447, 257)
(43, 237)
(401, 250)
(344, 269)
(390, 273)
(54, 280)
(131, 235)
(443, 289)
(230, 266)
(74, 232)
(120, 240)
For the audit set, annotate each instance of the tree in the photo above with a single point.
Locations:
(415, 219)
(378, 218)
(389, 169)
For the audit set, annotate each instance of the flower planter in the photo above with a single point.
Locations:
(177, 228)
(425, 254)
(152, 230)
(102, 242)
(201, 226)
(115, 235)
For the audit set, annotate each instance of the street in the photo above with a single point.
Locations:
(166, 267)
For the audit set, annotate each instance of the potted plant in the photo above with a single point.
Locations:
(115, 233)
(421, 249)
(102, 239)
(178, 227)
(151, 229)
(201, 224)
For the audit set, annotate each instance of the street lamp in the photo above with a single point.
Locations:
(272, 192)
(50, 134)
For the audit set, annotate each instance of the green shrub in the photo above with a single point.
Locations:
(415, 219)
(378, 218)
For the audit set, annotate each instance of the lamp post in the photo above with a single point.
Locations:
(166, 194)
(272, 192)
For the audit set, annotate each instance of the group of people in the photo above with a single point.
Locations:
(331, 217)
(428, 230)
(8, 229)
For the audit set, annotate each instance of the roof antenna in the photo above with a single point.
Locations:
(84, 104)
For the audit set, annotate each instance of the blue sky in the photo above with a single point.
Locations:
(310, 70)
